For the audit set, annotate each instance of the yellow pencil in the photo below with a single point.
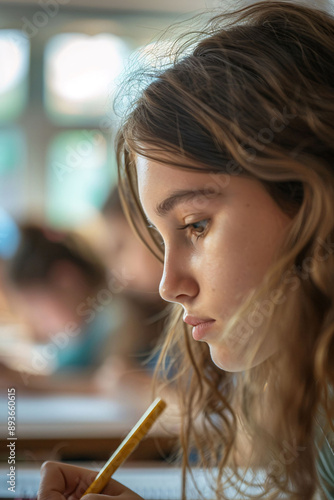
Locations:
(127, 446)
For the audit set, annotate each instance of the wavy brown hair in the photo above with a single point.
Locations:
(251, 92)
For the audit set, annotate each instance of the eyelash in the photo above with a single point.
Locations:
(187, 226)
(192, 224)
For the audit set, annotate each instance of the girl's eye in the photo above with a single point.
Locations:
(197, 229)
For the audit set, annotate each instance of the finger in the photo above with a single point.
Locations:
(59, 481)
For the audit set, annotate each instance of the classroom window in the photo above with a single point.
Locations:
(14, 63)
(80, 73)
(79, 176)
(59, 79)
(12, 169)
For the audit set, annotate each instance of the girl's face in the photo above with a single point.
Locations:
(217, 244)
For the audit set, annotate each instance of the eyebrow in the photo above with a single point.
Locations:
(181, 196)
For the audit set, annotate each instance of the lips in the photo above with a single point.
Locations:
(193, 321)
(201, 325)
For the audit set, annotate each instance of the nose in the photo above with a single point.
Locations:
(178, 283)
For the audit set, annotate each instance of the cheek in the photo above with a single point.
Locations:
(234, 259)
(226, 265)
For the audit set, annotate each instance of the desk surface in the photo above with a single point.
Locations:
(67, 416)
(74, 427)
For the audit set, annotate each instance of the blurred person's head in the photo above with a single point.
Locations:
(127, 255)
(49, 276)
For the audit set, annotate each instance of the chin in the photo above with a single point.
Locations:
(232, 360)
(226, 360)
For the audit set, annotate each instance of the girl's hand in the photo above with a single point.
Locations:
(68, 482)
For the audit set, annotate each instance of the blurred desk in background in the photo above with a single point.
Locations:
(75, 428)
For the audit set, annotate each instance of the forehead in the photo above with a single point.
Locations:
(155, 179)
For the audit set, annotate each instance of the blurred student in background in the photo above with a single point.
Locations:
(54, 281)
(93, 330)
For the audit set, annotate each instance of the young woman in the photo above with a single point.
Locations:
(227, 156)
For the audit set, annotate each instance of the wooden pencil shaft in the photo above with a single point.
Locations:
(129, 443)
